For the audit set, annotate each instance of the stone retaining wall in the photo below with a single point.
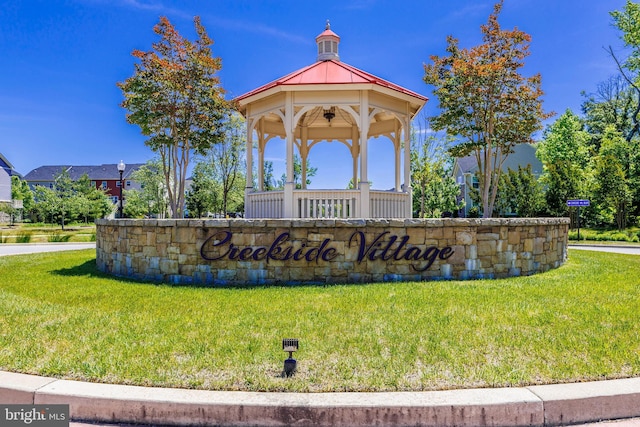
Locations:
(274, 251)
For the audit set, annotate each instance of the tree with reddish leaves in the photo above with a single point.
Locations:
(176, 98)
(485, 102)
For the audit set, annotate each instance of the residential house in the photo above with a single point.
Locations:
(465, 169)
(6, 172)
(104, 176)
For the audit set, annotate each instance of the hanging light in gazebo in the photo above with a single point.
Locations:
(330, 113)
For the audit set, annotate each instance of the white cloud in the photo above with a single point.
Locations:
(257, 28)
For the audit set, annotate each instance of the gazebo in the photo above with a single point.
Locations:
(329, 101)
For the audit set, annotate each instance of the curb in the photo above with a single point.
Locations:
(544, 405)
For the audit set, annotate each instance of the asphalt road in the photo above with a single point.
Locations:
(32, 248)
(619, 249)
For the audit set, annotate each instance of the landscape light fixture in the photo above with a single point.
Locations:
(330, 114)
(121, 167)
(290, 345)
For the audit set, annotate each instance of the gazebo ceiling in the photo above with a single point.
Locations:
(339, 127)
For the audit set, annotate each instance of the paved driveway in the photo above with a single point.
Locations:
(32, 248)
(619, 249)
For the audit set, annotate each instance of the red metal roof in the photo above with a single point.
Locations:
(330, 72)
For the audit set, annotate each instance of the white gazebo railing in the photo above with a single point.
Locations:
(264, 204)
(389, 204)
(325, 203)
(328, 204)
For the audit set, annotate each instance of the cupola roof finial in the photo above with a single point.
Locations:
(328, 44)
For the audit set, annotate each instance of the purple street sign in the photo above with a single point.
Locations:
(578, 202)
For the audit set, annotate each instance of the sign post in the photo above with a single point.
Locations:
(577, 203)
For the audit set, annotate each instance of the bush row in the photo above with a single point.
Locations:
(606, 235)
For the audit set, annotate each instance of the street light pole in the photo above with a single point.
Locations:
(121, 167)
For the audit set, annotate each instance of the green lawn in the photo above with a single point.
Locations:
(581, 322)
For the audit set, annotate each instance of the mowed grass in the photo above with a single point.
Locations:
(61, 318)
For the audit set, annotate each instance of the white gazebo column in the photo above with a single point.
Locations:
(407, 166)
(260, 162)
(260, 166)
(396, 152)
(355, 153)
(289, 185)
(249, 183)
(304, 154)
(365, 202)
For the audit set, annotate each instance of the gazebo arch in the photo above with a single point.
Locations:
(329, 101)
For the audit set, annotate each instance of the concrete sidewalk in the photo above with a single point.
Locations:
(559, 404)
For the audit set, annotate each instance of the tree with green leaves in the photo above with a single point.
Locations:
(485, 102)
(64, 191)
(20, 191)
(612, 193)
(90, 202)
(435, 191)
(152, 197)
(46, 207)
(204, 194)
(565, 155)
(520, 193)
(269, 179)
(628, 22)
(176, 98)
(70, 200)
(613, 106)
(613, 103)
(227, 160)
(297, 173)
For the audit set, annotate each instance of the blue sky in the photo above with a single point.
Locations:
(59, 103)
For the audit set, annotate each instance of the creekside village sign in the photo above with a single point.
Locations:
(384, 247)
(235, 252)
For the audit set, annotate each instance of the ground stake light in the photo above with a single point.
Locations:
(290, 345)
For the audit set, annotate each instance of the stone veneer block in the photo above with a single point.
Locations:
(317, 250)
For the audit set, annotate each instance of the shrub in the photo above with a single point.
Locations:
(58, 237)
(606, 235)
(23, 237)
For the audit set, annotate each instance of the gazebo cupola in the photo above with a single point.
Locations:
(328, 42)
(326, 101)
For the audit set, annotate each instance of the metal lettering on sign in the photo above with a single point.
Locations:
(384, 247)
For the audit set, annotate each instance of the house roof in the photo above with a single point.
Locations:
(330, 72)
(466, 164)
(95, 173)
(5, 163)
(8, 167)
(523, 155)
